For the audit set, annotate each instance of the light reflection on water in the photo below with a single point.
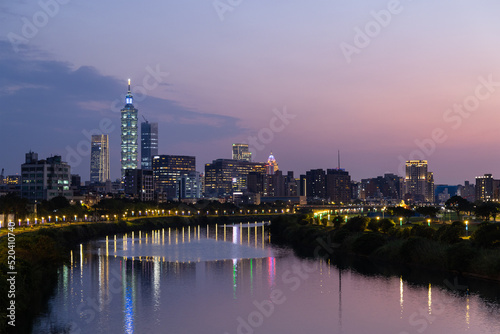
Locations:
(190, 280)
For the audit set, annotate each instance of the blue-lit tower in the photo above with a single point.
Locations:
(128, 134)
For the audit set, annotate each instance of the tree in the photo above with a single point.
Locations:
(457, 204)
(430, 211)
(13, 204)
(487, 210)
(401, 212)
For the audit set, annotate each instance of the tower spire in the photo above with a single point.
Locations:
(338, 159)
(129, 97)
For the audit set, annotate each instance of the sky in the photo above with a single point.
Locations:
(381, 81)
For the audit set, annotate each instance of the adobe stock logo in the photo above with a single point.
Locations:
(277, 124)
(453, 118)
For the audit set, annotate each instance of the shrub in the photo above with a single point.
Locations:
(423, 251)
(386, 224)
(368, 243)
(340, 235)
(373, 225)
(449, 234)
(357, 224)
(487, 235)
(423, 231)
(460, 256)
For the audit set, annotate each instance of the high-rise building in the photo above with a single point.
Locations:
(484, 187)
(99, 159)
(139, 184)
(467, 191)
(315, 185)
(272, 165)
(241, 152)
(45, 179)
(128, 134)
(168, 171)
(419, 183)
(190, 185)
(338, 185)
(225, 176)
(387, 187)
(149, 143)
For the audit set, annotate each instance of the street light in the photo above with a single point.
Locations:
(400, 221)
(466, 228)
(428, 222)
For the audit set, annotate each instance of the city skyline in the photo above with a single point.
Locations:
(396, 93)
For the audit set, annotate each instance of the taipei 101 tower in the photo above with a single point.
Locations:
(128, 134)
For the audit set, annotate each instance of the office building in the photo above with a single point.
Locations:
(139, 184)
(419, 183)
(338, 186)
(99, 159)
(190, 185)
(45, 179)
(128, 134)
(224, 176)
(485, 188)
(168, 171)
(467, 191)
(315, 184)
(241, 152)
(149, 144)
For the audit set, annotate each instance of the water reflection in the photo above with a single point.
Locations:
(149, 282)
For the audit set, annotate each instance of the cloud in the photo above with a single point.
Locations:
(47, 105)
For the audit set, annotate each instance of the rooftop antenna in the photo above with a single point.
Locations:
(338, 159)
(129, 86)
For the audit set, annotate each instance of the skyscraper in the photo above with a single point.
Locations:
(241, 152)
(99, 159)
(224, 176)
(128, 134)
(419, 183)
(484, 187)
(272, 165)
(149, 143)
(168, 171)
(338, 185)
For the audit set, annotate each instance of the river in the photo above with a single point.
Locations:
(230, 279)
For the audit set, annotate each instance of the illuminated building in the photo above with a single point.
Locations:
(386, 187)
(419, 183)
(149, 144)
(241, 152)
(223, 176)
(128, 134)
(45, 179)
(168, 171)
(272, 165)
(139, 184)
(338, 185)
(190, 185)
(315, 184)
(484, 187)
(99, 159)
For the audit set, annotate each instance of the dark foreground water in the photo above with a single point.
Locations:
(231, 280)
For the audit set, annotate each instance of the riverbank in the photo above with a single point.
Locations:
(418, 246)
(39, 254)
